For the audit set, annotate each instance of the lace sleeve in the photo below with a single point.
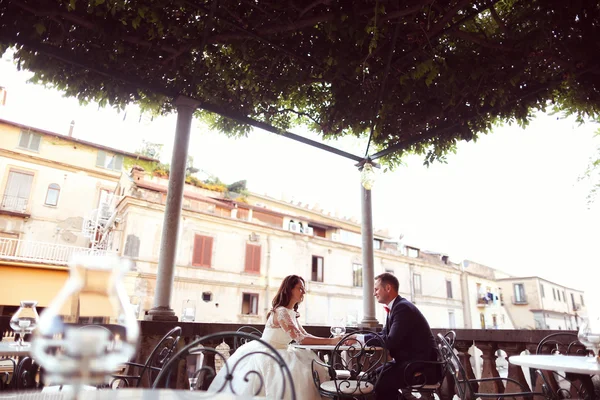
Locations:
(286, 323)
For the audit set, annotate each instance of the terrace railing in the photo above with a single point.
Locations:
(41, 252)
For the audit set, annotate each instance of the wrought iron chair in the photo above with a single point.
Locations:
(157, 359)
(254, 332)
(353, 370)
(579, 386)
(465, 387)
(415, 374)
(215, 349)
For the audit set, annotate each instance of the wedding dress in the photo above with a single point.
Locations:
(279, 332)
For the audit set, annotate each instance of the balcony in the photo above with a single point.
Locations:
(41, 252)
(14, 205)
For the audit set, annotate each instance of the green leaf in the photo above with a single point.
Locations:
(40, 28)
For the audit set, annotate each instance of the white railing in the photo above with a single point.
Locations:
(47, 253)
(14, 203)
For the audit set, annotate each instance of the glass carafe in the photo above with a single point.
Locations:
(24, 321)
(89, 329)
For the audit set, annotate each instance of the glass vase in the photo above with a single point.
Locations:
(24, 321)
(89, 329)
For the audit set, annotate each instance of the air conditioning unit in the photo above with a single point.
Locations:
(335, 237)
(309, 231)
(294, 227)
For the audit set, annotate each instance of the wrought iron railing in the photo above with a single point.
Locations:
(47, 253)
(14, 203)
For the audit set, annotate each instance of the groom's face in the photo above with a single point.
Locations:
(382, 292)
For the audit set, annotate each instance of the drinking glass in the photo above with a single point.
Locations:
(589, 336)
(338, 327)
(24, 321)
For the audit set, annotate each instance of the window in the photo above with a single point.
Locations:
(377, 244)
(564, 297)
(417, 283)
(30, 140)
(520, 293)
(252, 258)
(482, 320)
(357, 278)
(412, 252)
(573, 301)
(554, 293)
(542, 290)
(206, 296)
(451, 320)
(317, 269)
(202, 252)
(582, 303)
(109, 161)
(52, 194)
(449, 289)
(18, 189)
(250, 304)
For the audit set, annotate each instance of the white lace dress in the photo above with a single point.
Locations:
(278, 334)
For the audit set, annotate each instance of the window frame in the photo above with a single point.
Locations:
(315, 275)
(357, 278)
(31, 135)
(57, 189)
(449, 293)
(102, 157)
(253, 303)
(520, 295)
(199, 261)
(7, 185)
(418, 289)
(542, 291)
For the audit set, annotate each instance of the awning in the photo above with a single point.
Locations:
(24, 283)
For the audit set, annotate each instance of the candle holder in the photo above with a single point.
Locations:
(24, 321)
(89, 329)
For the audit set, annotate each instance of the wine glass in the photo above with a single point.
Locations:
(24, 321)
(589, 336)
(338, 327)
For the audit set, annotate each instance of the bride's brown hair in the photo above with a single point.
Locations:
(284, 294)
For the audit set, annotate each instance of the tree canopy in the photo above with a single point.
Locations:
(415, 75)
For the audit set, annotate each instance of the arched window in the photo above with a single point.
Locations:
(52, 194)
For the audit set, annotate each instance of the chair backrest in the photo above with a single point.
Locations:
(254, 332)
(463, 387)
(561, 343)
(160, 355)
(359, 363)
(236, 378)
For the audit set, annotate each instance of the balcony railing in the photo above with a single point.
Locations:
(14, 203)
(46, 253)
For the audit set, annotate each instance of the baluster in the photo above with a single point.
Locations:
(446, 391)
(489, 368)
(514, 371)
(462, 346)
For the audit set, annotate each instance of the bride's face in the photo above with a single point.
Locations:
(298, 293)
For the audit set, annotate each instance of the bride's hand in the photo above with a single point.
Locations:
(335, 340)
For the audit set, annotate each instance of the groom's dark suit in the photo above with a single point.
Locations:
(407, 337)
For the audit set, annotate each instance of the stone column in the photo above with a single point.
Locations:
(161, 311)
(368, 270)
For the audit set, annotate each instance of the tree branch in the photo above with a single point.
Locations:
(499, 21)
(480, 41)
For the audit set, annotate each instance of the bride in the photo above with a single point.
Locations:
(282, 327)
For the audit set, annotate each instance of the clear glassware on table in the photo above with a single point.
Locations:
(338, 327)
(89, 329)
(24, 321)
(589, 336)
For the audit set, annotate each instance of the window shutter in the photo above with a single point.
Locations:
(207, 251)
(118, 162)
(100, 159)
(256, 259)
(24, 139)
(248, 263)
(197, 251)
(35, 141)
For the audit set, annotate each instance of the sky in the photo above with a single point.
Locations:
(512, 201)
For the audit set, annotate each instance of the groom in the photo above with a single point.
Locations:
(407, 337)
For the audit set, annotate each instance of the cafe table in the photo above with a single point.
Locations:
(558, 362)
(126, 394)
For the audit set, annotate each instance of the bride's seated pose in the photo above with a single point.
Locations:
(281, 328)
